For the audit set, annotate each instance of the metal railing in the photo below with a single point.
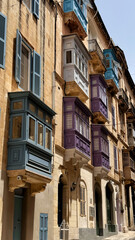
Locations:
(94, 46)
(124, 95)
(64, 231)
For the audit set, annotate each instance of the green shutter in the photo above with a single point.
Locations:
(3, 26)
(36, 8)
(36, 73)
(43, 232)
(18, 57)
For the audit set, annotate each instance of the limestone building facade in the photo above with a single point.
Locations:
(67, 124)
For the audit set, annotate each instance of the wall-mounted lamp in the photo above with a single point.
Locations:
(73, 186)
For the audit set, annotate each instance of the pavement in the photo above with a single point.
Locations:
(130, 235)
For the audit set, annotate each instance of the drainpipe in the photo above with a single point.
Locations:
(54, 71)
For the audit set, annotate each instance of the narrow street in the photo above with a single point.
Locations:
(123, 236)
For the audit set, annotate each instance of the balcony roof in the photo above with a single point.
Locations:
(79, 42)
(36, 100)
(79, 103)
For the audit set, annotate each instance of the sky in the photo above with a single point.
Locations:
(119, 19)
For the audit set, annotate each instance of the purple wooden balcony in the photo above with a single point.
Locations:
(98, 98)
(100, 146)
(76, 125)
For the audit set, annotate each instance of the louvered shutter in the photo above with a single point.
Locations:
(3, 24)
(18, 57)
(36, 73)
(43, 226)
(36, 8)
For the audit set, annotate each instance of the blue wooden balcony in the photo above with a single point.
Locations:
(111, 74)
(75, 16)
(30, 141)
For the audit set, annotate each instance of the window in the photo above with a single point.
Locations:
(27, 67)
(69, 57)
(113, 116)
(31, 129)
(3, 24)
(40, 134)
(82, 200)
(33, 5)
(43, 226)
(16, 127)
(115, 158)
(48, 139)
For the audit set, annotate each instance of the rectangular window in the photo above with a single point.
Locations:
(69, 57)
(48, 139)
(40, 134)
(115, 158)
(32, 129)
(113, 116)
(16, 127)
(3, 25)
(82, 201)
(43, 232)
(27, 66)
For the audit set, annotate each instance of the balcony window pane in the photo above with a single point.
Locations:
(94, 92)
(76, 58)
(40, 114)
(17, 105)
(68, 120)
(83, 68)
(32, 108)
(96, 144)
(79, 63)
(17, 127)
(77, 123)
(80, 125)
(48, 139)
(69, 57)
(32, 129)
(40, 134)
(87, 132)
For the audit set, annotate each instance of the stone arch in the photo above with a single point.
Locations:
(110, 207)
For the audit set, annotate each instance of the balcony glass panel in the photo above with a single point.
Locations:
(31, 129)
(48, 139)
(17, 127)
(40, 134)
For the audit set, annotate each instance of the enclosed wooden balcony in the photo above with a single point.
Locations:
(129, 167)
(100, 147)
(75, 14)
(131, 111)
(98, 98)
(131, 134)
(123, 100)
(111, 74)
(76, 130)
(97, 61)
(30, 142)
(75, 67)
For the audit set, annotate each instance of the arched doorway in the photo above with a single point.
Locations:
(109, 207)
(98, 203)
(60, 201)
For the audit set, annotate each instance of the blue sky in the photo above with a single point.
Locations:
(119, 19)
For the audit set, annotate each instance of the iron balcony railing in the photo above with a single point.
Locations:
(94, 46)
(123, 95)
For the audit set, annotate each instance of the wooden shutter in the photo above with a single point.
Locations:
(43, 233)
(36, 73)
(36, 8)
(3, 24)
(18, 57)
(115, 158)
